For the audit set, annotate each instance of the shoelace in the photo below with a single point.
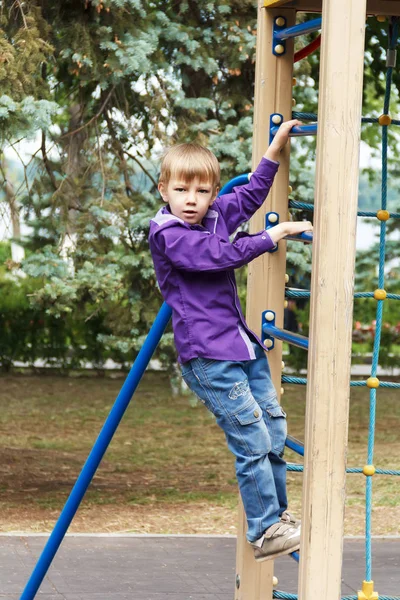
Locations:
(277, 529)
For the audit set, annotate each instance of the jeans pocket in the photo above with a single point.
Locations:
(252, 431)
(249, 414)
(277, 427)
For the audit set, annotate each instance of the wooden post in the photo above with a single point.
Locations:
(266, 275)
(339, 118)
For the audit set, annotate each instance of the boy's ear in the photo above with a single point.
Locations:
(216, 192)
(161, 189)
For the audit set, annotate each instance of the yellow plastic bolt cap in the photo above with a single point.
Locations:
(280, 21)
(285, 304)
(383, 215)
(290, 189)
(276, 119)
(369, 470)
(294, 81)
(367, 592)
(283, 365)
(381, 18)
(380, 294)
(275, 581)
(385, 120)
(282, 391)
(372, 382)
(286, 278)
(294, 102)
(279, 49)
(268, 343)
(272, 218)
(269, 315)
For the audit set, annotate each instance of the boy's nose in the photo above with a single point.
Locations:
(191, 199)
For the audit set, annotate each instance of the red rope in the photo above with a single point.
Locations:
(308, 49)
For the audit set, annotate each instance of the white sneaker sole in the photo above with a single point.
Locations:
(278, 554)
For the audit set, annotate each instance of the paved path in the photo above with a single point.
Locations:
(166, 568)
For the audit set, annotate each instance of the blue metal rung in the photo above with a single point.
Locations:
(302, 237)
(271, 332)
(295, 445)
(281, 33)
(272, 219)
(287, 33)
(285, 336)
(299, 130)
(295, 556)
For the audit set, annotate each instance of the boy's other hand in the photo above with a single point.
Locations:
(288, 228)
(280, 139)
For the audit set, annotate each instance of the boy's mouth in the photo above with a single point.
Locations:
(189, 213)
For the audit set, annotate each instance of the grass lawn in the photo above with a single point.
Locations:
(167, 469)
(362, 348)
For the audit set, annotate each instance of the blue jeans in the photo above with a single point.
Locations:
(243, 399)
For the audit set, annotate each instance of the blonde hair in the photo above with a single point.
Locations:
(188, 161)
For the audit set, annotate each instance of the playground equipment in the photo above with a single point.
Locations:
(339, 120)
(339, 117)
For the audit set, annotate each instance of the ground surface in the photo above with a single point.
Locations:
(167, 469)
(168, 568)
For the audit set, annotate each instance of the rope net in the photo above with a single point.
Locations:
(373, 383)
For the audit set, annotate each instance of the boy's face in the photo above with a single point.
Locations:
(188, 201)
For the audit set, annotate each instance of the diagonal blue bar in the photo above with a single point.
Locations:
(97, 453)
(299, 130)
(285, 336)
(296, 30)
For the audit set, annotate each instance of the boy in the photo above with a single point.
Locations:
(222, 360)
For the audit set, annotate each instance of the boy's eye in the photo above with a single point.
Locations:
(179, 189)
(204, 191)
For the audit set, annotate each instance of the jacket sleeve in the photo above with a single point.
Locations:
(195, 250)
(241, 204)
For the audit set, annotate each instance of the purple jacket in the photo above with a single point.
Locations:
(195, 266)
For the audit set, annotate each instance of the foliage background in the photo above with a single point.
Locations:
(102, 87)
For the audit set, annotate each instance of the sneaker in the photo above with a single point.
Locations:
(289, 519)
(279, 539)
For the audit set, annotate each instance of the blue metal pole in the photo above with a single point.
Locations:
(299, 130)
(295, 445)
(285, 336)
(296, 30)
(301, 237)
(97, 453)
(239, 180)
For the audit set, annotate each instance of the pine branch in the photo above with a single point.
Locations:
(103, 177)
(149, 175)
(120, 151)
(47, 162)
(96, 116)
